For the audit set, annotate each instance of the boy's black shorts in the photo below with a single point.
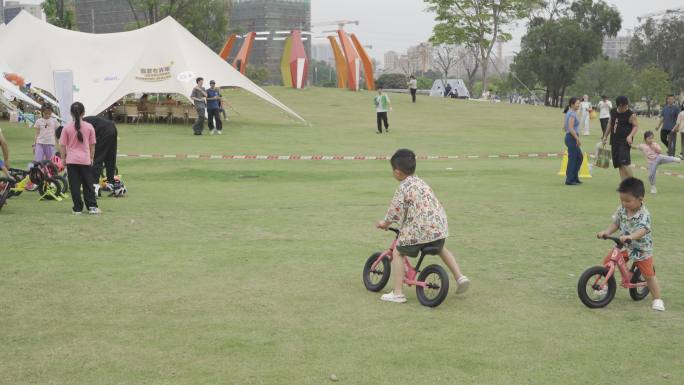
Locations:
(413, 250)
(621, 154)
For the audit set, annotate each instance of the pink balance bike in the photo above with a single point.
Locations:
(432, 285)
(596, 286)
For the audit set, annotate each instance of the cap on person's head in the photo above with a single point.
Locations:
(212, 82)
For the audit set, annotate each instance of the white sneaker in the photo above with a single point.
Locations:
(76, 212)
(94, 210)
(678, 159)
(601, 293)
(212, 132)
(391, 297)
(220, 132)
(462, 284)
(96, 187)
(654, 190)
(658, 304)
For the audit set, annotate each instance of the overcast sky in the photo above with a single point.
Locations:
(398, 24)
(395, 25)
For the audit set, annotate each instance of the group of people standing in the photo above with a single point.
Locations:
(208, 102)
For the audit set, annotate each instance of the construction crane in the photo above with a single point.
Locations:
(665, 13)
(339, 23)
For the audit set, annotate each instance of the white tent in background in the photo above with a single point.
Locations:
(160, 58)
(457, 84)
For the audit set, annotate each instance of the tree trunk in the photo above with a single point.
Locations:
(484, 75)
(546, 97)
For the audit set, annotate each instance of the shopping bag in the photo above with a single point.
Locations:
(603, 156)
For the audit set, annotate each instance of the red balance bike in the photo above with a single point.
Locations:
(596, 286)
(432, 285)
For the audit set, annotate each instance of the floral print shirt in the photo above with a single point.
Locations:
(638, 249)
(420, 216)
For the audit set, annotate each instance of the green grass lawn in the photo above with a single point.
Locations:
(249, 272)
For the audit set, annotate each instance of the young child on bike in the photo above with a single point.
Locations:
(422, 222)
(633, 221)
(4, 162)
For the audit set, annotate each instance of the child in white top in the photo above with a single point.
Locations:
(653, 153)
(44, 141)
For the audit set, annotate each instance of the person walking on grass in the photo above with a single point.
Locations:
(413, 87)
(604, 107)
(680, 127)
(572, 141)
(585, 114)
(668, 119)
(199, 97)
(382, 107)
(214, 109)
(77, 145)
(653, 153)
(622, 127)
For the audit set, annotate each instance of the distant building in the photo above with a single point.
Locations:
(12, 8)
(391, 61)
(323, 52)
(613, 47)
(420, 58)
(104, 16)
(270, 16)
(2, 11)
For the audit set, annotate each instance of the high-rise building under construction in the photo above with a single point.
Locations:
(270, 16)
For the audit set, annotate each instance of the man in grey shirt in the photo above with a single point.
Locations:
(199, 96)
(668, 119)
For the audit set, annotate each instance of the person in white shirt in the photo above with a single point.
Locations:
(604, 107)
(679, 126)
(44, 141)
(413, 87)
(585, 110)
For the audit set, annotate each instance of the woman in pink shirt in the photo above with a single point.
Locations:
(652, 151)
(77, 145)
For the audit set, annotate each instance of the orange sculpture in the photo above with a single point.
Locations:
(15, 79)
(340, 63)
(353, 61)
(240, 62)
(367, 64)
(228, 47)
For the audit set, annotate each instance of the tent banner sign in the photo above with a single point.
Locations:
(155, 74)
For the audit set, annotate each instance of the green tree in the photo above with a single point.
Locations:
(258, 75)
(207, 19)
(392, 81)
(58, 13)
(321, 73)
(660, 43)
(653, 85)
(604, 77)
(478, 24)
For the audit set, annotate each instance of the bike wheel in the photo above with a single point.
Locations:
(65, 183)
(588, 287)
(437, 281)
(376, 279)
(638, 293)
(5, 186)
(52, 186)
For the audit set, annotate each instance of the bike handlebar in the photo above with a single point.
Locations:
(617, 241)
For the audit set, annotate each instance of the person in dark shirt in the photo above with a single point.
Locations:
(668, 119)
(214, 109)
(622, 128)
(106, 137)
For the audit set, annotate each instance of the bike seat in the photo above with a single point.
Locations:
(430, 250)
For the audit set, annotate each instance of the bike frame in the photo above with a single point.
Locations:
(410, 273)
(618, 257)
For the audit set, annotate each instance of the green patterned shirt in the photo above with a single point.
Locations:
(638, 249)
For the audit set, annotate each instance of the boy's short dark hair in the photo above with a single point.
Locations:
(648, 134)
(622, 101)
(632, 186)
(404, 160)
(198, 80)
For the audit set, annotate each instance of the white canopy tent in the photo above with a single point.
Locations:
(160, 58)
(457, 84)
